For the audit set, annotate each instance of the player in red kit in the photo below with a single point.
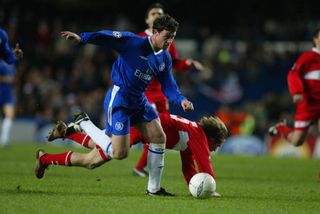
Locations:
(304, 86)
(193, 139)
(153, 92)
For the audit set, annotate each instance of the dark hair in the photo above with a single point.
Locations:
(316, 32)
(165, 22)
(153, 6)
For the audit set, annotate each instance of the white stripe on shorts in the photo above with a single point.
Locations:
(312, 75)
(301, 124)
(115, 90)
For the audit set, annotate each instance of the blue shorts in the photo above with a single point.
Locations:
(6, 94)
(124, 110)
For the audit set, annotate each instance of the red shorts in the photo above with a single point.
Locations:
(306, 114)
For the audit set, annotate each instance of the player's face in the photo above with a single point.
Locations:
(152, 15)
(212, 145)
(316, 41)
(163, 39)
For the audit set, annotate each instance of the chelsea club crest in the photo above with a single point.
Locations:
(162, 66)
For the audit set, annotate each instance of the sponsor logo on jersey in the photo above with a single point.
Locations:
(117, 34)
(142, 75)
(162, 66)
(118, 126)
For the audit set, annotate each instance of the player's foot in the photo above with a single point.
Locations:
(161, 192)
(216, 195)
(72, 128)
(79, 117)
(40, 167)
(140, 172)
(58, 131)
(273, 130)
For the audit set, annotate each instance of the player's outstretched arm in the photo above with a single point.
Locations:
(196, 64)
(187, 105)
(68, 35)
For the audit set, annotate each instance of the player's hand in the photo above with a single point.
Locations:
(297, 98)
(18, 52)
(196, 64)
(187, 105)
(68, 35)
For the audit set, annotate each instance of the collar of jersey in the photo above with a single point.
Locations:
(155, 53)
(148, 32)
(316, 50)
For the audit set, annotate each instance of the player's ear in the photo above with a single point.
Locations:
(155, 31)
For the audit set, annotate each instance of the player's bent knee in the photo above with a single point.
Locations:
(299, 142)
(119, 155)
(159, 139)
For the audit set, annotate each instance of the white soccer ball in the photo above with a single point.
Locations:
(202, 185)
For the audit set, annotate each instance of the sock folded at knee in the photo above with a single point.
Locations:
(80, 138)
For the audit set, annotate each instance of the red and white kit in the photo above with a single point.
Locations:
(304, 78)
(187, 137)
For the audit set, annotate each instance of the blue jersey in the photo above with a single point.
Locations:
(137, 63)
(6, 53)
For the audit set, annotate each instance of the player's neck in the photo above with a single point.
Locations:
(153, 44)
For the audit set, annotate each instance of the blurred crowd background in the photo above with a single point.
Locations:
(247, 48)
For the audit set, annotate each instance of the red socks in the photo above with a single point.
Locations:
(284, 130)
(57, 159)
(81, 138)
(144, 158)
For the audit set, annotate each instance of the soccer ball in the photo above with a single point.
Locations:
(202, 185)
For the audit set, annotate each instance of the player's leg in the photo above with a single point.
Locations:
(135, 138)
(90, 160)
(161, 105)
(296, 135)
(153, 131)
(61, 130)
(116, 146)
(9, 113)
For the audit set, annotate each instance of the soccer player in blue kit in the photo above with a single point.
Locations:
(8, 61)
(139, 60)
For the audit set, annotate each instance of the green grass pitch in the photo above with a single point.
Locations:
(247, 185)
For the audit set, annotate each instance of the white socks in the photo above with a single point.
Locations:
(155, 166)
(5, 131)
(98, 136)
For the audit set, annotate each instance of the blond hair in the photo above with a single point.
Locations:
(214, 128)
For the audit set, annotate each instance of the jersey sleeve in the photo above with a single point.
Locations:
(188, 166)
(6, 52)
(178, 64)
(201, 154)
(116, 40)
(295, 84)
(169, 85)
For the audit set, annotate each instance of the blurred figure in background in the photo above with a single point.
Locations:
(8, 61)
(304, 86)
(153, 92)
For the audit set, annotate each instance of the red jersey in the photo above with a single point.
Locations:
(187, 137)
(153, 92)
(304, 77)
